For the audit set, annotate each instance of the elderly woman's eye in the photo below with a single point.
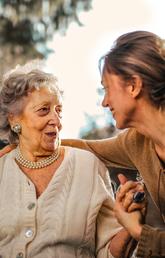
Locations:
(59, 111)
(43, 110)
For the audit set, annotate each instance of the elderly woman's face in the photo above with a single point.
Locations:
(41, 120)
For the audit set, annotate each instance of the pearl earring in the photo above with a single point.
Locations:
(16, 128)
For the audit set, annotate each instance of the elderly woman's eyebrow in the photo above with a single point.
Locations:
(41, 104)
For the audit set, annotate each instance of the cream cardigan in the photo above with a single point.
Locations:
(72, 218)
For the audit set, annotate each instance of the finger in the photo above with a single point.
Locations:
(139, 187)
(118, 207)
(143, 211)
(118, 197)
(129, 185)
(127, 201)
(139, 197)
(122, 179)
(137, 206)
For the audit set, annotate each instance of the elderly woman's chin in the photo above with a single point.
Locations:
(50, 143)
(51, 146)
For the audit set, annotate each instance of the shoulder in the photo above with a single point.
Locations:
(132, 137)
(136, 145)
(86, 159)
(2, 163)
(85, 155)
(6, 157)
(2, 160)
(129, 134)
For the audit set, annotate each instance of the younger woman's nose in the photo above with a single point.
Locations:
(104, 102)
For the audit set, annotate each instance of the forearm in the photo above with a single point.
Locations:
(151, 242)
(121, 244)
(135, 230)
(78, 143)
(97, 147)
(112, 151)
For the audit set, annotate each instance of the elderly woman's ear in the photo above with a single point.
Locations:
(11, 119)
(14, 122)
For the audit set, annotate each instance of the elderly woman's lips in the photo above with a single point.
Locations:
(52, 134)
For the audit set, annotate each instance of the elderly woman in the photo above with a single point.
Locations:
(55, 201)
(133, 78)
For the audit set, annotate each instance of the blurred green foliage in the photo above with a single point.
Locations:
(27, 25)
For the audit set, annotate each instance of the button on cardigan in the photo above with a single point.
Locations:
(72, 218)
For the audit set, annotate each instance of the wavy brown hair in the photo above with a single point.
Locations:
(139, 53)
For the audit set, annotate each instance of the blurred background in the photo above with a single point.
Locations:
(71, 36)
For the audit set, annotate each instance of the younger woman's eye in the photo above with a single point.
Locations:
(106, 89)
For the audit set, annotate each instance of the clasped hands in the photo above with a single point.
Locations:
(129, 210)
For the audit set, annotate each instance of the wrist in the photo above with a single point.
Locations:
(136, 233)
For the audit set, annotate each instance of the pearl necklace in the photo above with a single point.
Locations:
(38, 164)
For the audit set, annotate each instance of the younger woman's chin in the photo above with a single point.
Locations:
(121, 124)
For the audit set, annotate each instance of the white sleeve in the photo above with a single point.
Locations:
(107, 225)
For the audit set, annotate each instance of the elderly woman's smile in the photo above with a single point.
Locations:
(40, 122)
(51, 134)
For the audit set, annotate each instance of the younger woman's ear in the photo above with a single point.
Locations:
(136, 86)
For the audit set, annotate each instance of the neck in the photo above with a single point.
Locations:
(35, 152)
(151, 123)
(42, 163)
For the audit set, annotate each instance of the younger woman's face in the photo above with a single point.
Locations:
(41, 121)
(118, 98)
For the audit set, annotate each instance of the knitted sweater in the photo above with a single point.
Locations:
(132, 150)
(72, 218)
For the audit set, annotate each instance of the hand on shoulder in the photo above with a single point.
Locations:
(7, 149)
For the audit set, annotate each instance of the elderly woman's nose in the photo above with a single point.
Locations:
(55, 117)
